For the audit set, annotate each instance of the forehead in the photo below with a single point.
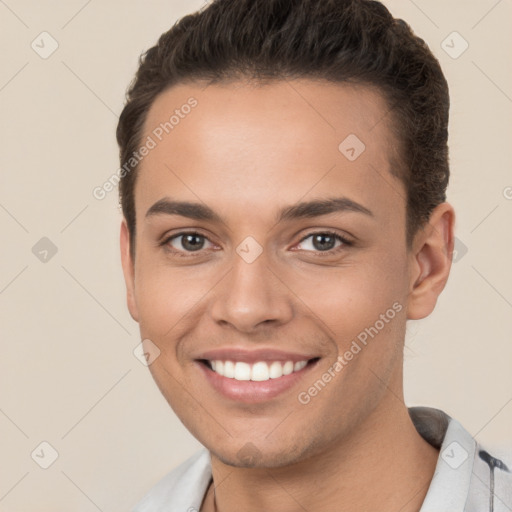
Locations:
(238, 144)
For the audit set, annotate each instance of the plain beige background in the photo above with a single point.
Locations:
(68, 375)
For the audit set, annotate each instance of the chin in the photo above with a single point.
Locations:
(250, 456)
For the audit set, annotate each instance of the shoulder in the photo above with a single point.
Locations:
(469, 475)
(181, 489)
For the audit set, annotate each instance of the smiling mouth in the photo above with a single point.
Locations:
(259, 371)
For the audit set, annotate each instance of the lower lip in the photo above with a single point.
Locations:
(249, 391)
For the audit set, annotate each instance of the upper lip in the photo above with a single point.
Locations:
(253, 356)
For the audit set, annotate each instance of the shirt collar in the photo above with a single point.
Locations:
(449, 487)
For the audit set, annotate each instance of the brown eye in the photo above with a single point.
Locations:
(186, 242)
(323, 243)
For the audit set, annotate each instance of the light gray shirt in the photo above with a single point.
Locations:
(467, 477)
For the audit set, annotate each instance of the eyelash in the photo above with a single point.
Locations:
(330, 252)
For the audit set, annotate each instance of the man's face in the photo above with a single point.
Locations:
(255, 287)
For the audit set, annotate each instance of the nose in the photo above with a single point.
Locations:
(251, 296)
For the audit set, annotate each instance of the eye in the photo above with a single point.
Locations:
(320, 243)
(323, 242)
(186, 242)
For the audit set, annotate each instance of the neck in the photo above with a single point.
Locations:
(385, 465)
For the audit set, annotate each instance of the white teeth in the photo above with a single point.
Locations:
(242, 371)
(229, 369)
(299, 365)
(276, 370)
(260, 371)
(288, 368)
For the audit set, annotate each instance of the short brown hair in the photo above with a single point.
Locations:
(353, 41)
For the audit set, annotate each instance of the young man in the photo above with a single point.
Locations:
(284, 168)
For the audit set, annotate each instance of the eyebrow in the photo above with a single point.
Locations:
(309, 209)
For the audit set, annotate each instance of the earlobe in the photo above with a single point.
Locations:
(431, 259)
(128, 270)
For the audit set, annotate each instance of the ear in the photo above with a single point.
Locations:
(128, 271)
(430, 261)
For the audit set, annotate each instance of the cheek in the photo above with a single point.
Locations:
(349, 299)
(166, 296)
(365, 315)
